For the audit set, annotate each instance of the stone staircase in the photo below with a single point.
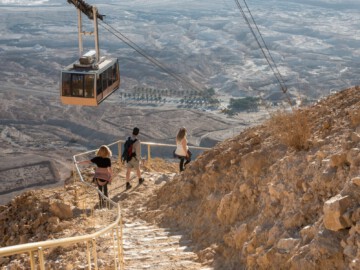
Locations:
(150, 247)
(146, 245)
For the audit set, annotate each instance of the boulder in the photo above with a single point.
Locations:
(356, 181)
(334, 209)
(337, 159)
(287, 244)
(253, 163)
(61, 210)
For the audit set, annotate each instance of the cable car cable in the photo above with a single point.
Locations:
(88, 11)
(257, 40)
(266, 47)
(254, 34)
(139, 50)
(276, 73)
(134, 46)
(271, 63)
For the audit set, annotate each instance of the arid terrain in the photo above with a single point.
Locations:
(39, 135)
(254, 201)
(207, 43)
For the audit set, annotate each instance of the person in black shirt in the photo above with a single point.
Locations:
(103, 172)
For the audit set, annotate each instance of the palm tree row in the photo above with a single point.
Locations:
(156, 95)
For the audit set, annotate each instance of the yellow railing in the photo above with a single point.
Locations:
(37, 248)
(115, 228)
(150, 144)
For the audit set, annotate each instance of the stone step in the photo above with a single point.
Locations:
(149, 247)
(146, 245)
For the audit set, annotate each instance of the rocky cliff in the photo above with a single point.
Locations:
(256, 201)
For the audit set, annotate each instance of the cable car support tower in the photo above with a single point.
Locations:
(92, 78)
(89, 11)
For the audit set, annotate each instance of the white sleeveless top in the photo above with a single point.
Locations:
(180, 150)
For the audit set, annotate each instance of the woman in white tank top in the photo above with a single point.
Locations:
(182, 149)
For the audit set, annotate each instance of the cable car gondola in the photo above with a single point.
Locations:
(86, 83)
(90, 79)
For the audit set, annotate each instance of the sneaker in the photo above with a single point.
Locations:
(128, 186)
(141, 180)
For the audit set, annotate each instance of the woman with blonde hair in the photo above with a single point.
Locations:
(182, 150)
(103, 172)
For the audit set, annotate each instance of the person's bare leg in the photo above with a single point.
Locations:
(128, 171)
(138, 172)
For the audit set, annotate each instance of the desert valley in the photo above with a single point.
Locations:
(265, 205)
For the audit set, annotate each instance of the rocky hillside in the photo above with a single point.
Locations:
(259, 201)
(282, 195)
(73, 210)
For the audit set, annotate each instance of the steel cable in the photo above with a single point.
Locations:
(139, 50)
(267, 55)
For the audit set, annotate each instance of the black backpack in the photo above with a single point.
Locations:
(128, 153)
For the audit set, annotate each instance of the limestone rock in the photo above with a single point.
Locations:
(355, 137)
(356, 181)
(287, 244)
(228, 209)
(308, 233)
(334, 209)
(61, 210)
(353, 157)
(354, 117)
(337, 159)
(253, 163)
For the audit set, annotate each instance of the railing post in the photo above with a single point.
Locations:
(74, 173)
(41, 258)
(32, 260)
(119, 152)
(88, 255)
(113, 233)
(94, 253)
(149, 153)
(119, 241)
(76, 197)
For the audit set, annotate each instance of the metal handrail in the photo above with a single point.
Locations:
(38, 247)
(90, 239)
(149, 144)
(23, 248)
